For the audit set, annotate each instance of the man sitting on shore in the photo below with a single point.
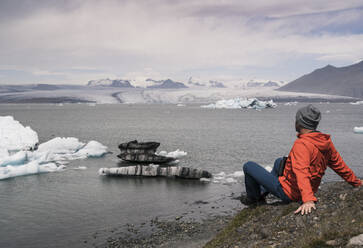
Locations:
(305, 166)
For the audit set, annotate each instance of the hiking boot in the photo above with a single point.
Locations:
(245, 200)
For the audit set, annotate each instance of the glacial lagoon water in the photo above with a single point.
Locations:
(79, 208)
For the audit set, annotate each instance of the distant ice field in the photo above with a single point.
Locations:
(65, 209)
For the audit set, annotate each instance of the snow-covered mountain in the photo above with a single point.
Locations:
(216, 84)
(120, 83)
(253, 83)
(165, 84)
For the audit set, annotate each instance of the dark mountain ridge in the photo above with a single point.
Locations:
(166, 84)
(343, 81)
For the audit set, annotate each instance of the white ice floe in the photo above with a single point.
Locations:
(291, 103)
(357, 103)
(61, 145)
(14, 136)
(237, 103)
(93, 149)
(175, 154)
(232, 178)
(30, 168)
(203, 179)
(358, 129)
(80, 168)
(18, 157)
(180, 105)
(223, 178)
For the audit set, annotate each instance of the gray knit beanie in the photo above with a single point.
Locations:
(308, 117)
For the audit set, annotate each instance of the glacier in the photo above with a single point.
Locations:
(237, 103)
(21, 155)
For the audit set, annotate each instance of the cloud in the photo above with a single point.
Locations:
(175, 38)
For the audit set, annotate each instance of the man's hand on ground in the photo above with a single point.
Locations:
(306, 208)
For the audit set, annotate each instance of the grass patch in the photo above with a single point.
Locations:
(229, 235)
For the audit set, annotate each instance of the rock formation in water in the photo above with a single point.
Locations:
(134, 151)
(154, 170)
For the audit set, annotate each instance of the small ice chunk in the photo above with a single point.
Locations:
(81, 168)
(220, 174)
(358, 129)
(14, 136)
(290, 103)
(238, 174)
(175, 162)
(203, 179)
(230, 180)
(180, 105)
(175, 154)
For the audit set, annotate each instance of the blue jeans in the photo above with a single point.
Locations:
(259, 181)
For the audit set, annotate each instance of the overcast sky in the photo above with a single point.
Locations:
(73, 41)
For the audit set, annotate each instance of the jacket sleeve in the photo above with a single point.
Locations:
(340, 167)
(300, 160)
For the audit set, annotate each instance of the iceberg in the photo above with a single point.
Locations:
(28, 169)
(92, 149)
(61, 145)
(237, 103)
(18, 158)
(20, 155)
(14, 136)
(358, 129)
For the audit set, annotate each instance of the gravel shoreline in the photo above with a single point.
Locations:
(338, 218)
(176, 233)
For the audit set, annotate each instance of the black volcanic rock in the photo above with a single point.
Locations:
(121, 83)
(166, 84)
(344, 81)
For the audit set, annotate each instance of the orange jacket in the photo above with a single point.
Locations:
(306, 165)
